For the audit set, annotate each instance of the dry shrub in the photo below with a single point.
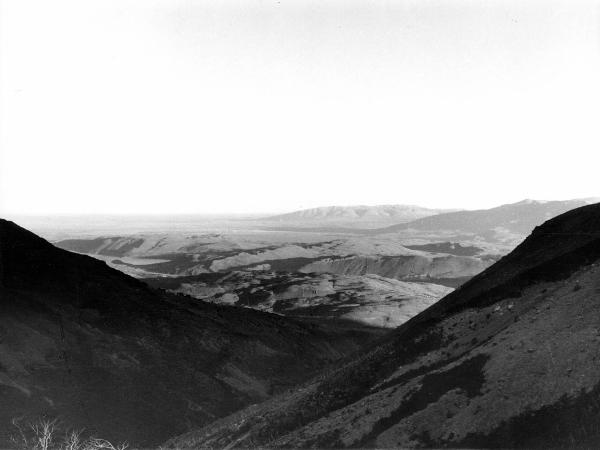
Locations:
(48, 435)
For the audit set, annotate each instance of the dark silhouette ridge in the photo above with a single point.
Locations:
(103, 351)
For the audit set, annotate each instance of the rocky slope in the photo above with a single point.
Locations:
(103, 351)
(507, 360)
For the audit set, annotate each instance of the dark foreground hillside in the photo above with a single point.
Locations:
(508, 360)
(103, 351)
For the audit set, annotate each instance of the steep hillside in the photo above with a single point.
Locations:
(495, 223)
(508, 360)
(103, 351)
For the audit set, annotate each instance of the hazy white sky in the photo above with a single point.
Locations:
(183, 106)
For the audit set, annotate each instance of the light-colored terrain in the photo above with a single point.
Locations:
(180, 255)
(407, 267)
(369, 300)
(441, 250)
(366, 280)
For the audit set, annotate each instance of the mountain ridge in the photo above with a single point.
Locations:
(520, 217)
(360, 213)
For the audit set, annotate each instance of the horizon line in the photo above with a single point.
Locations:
(265, 214)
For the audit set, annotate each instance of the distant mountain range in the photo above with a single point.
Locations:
(460, 244)
(508, 360)
(360, 214)
(510, 222)
(517, 218)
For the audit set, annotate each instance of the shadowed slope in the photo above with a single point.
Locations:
(103, 351)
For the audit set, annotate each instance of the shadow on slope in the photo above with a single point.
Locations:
(103, 351)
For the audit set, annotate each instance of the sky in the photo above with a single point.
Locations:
(252, 106)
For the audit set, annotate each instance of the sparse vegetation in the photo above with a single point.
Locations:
(50, 435)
